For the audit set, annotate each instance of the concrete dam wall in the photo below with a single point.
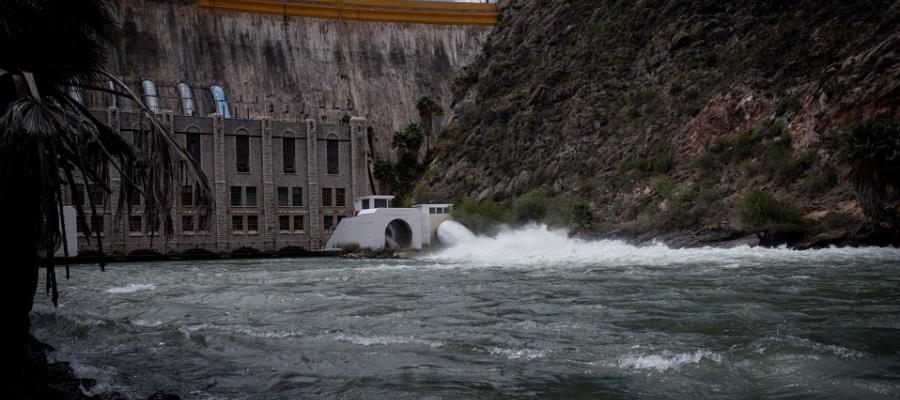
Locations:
(292, 67)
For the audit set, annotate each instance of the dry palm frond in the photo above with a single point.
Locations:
(49, 140)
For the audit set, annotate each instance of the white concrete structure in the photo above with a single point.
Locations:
(433, 215)
(70, 235)
(369, 202)
(377, 225)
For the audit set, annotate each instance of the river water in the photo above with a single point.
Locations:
(526, 314)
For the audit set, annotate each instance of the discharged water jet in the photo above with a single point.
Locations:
(452, 233)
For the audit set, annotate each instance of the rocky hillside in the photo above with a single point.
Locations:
(688, 121)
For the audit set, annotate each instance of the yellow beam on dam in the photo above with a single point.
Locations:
(406, 11)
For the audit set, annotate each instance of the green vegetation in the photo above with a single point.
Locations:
(657, 162)
(428, 106)
(408, 140)
(345, 119)
(399, 178)
(872, 151)
(762, 212)
(769, 146)
(350, 247)
(486, 215)
(687, 205)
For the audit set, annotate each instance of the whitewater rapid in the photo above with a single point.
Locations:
(539, 245)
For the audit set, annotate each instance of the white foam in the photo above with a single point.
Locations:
(666, 360)
(147, 323)
(242, 330)
(384, 340)
(518, 354)
(537, 244)
(131, 288)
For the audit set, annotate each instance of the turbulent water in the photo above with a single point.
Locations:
(528, 313)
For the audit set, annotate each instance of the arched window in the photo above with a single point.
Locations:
(287, 153)
(331, 155)
(242, 151)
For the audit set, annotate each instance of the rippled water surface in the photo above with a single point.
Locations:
(529, 313)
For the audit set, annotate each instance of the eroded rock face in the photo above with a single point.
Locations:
(320, 67)
(604, 100)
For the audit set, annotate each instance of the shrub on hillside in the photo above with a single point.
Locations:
(762, 212)
(481, 216)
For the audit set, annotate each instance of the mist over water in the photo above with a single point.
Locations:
(528, 313)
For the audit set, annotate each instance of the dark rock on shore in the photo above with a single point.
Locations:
(369, 253)
(46, 380)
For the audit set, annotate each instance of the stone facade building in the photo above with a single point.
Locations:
(276, 185)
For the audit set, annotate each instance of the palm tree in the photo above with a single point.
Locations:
(49, 140)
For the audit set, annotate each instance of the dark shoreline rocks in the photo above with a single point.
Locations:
(364, 253)
(859, 236)
(47, 380)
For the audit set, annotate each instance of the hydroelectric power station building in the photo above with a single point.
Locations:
(276, 184)
(267, 112)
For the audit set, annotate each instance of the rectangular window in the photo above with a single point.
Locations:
(187, 196)
(135, 197)
(235, 196)
(283, 197)
(251, 196)
(97, 223)
(242, 153)
(135, 224)
(203, 223)
(297, 197)
(97, 194)
(331, 154)
(432, 210)
(329, 222)
(237, 223)
(287, 148)
(326, 197)
(284, 223)
(252, 223)
(381, 203)
(80, 224)
(365, 204)
(78, 195)
(192, 141)
(187, 223)
(298, 223)
(340, 197)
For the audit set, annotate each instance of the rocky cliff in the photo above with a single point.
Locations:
(674, 119)
(296, 67)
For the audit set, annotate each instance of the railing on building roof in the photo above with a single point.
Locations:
(405, 11)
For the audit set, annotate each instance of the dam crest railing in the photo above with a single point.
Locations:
(402, 11)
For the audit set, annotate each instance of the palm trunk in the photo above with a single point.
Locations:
(18, 246)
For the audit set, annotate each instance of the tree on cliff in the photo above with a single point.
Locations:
(871, 149)
(49, 141)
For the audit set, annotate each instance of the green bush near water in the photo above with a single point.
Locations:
(486, 215)
(350, 247)
(763, 212)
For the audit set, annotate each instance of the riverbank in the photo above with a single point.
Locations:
(45, 379)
